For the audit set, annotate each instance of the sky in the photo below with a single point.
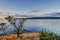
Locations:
(32, 7)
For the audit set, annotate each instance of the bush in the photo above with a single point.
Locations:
(45, 35)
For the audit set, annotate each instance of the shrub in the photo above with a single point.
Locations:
(45, 35)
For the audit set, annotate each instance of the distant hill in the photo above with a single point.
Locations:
(54, 15)
(44, 18)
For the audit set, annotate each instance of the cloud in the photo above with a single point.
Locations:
(9, 13)
(34, 12)
(1, 13)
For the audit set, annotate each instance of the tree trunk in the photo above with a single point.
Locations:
(18, 32)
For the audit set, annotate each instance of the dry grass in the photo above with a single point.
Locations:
(26, 36)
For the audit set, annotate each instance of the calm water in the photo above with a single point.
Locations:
(52, 25)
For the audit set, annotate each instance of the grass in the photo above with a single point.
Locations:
(43, 35)
(24, 36)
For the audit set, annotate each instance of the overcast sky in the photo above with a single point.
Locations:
(34, 7)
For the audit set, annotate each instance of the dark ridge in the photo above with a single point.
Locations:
(44, 18)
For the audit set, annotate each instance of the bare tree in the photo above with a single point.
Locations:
(3, 27)
(13, 21)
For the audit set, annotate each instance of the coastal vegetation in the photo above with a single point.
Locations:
(23, 34)
(13, 22)
(3, 27)
(46, 35)
(43, 35)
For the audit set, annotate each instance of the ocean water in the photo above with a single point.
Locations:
(36, 25)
